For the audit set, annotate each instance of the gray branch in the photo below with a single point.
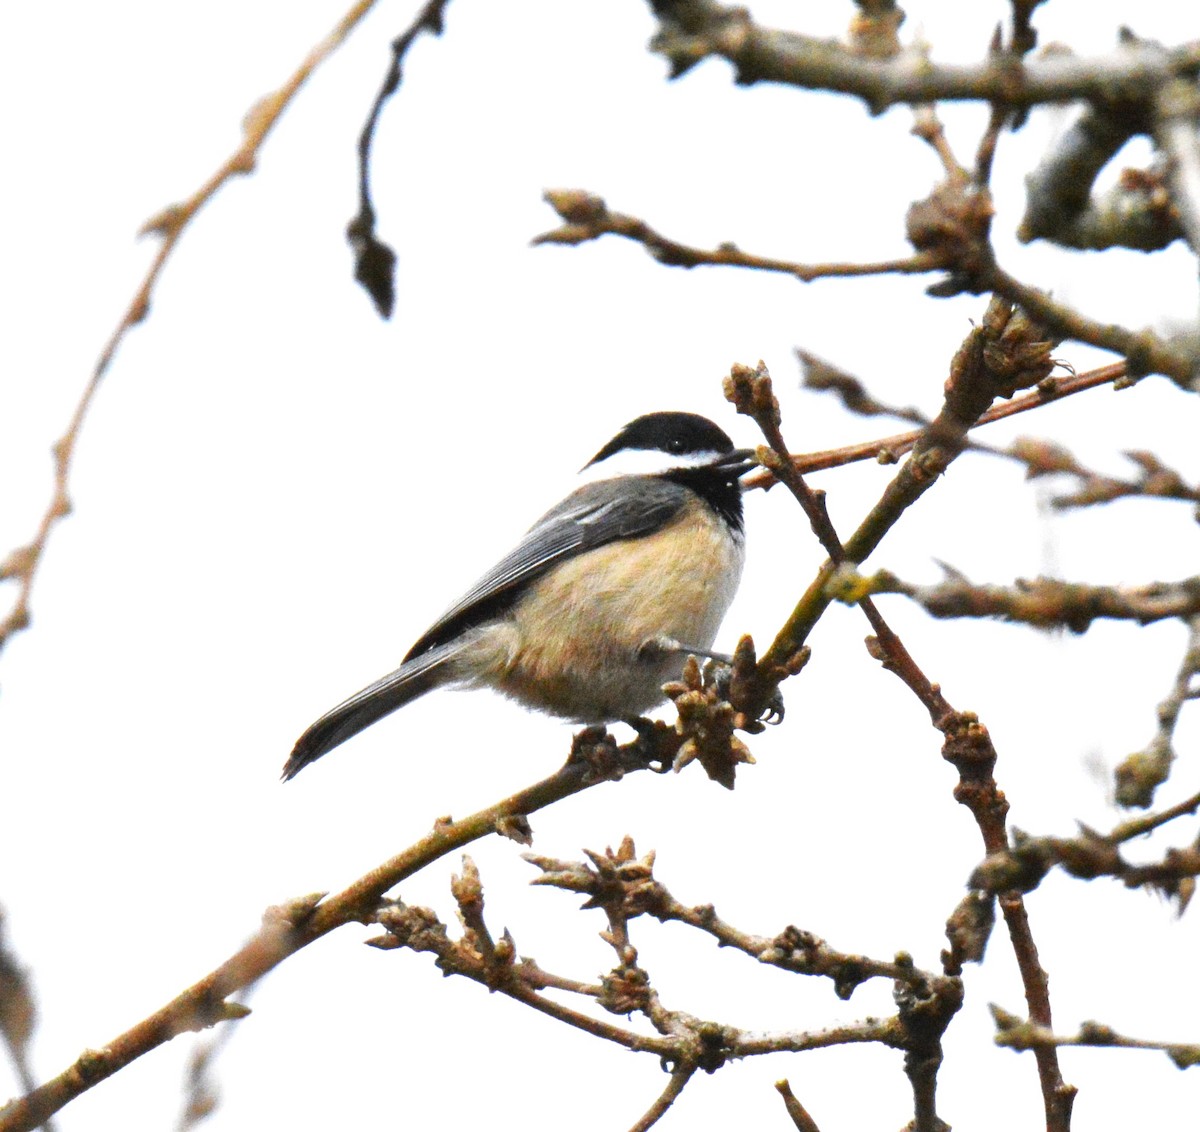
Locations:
(693, 30)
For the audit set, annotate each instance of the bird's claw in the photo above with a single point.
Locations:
(721, 676)
(774, 712)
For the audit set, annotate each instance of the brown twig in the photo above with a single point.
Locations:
(1024, 864)
(1018, 1034)
(22, 564)
(587, 217)
(1139, 775)
(1005, 354)
(289, 928)
(666, 1098)
(889, 448)
(622, 885)
(1157, 481)
(799, 1114)
(928, 127)
(1144, 351)
(1045, 603)
(950, 229)
(626, 887)
(1040, 457)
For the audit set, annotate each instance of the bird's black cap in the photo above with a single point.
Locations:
(678, 434)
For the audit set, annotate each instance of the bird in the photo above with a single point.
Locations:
(601, 601)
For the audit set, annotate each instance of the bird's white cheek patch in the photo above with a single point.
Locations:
(644, 462)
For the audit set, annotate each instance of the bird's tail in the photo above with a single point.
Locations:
(412, 679)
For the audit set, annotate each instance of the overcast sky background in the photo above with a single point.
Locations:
(276, 492)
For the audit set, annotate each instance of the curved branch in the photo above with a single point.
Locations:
(374, 261)
(291, 927)
(22, 564)
(666, 1098)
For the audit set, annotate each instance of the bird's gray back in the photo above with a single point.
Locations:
(597, 513)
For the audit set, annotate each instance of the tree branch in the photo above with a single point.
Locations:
(1139, 775)
(1091, 854)
(587, 217)
(1017, 1034)
(1045, 603)
(169, 225)
(291, 927)
(693, 30)
(375, 261)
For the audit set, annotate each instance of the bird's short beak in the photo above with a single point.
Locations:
(739, 461)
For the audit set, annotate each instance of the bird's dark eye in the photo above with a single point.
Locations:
(675, 446)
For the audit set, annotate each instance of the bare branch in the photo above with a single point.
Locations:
(1045, 603)
(587, 217)
(625, 888)
(1091, 854)
(797, 1111)
(1139, 775)
(888, 449)
(291, 927)
(169, 225)
(1040, 457)
(1157, 481)
(693, 30)
(1018, 1034)
(1004, 354)
(658, 1109)
(1144, 351)
(1059, 204)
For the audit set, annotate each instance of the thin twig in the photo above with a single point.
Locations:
(1004, 354)
(1045, 603)
(799, 1114)
(1091, 854)
(169, 225)
(1017, 1034)
(1140, 774)
(889, 448)
(374, 261)
(1144, 351)
(667, 1097)
(625, 887)
(1040, 457)
(587, 217)
(290, 928)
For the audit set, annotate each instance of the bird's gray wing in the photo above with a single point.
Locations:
(595, 514)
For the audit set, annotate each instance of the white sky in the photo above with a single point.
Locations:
(276, 492)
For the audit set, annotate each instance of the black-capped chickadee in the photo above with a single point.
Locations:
(601, 601)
